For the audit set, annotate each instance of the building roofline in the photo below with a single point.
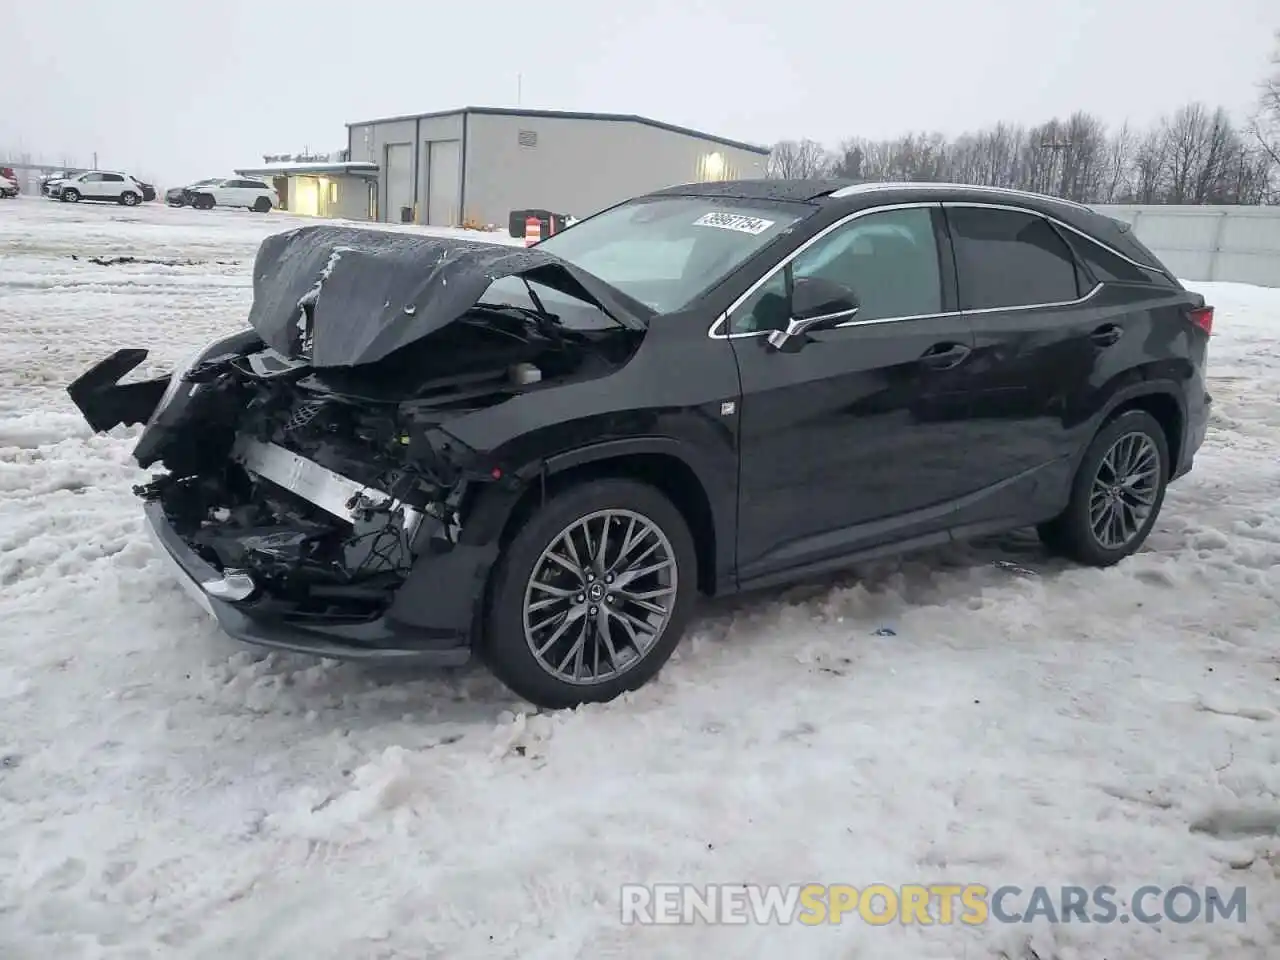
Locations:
(572, 115)
(354, 167)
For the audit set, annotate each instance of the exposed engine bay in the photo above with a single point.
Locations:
(322, 484)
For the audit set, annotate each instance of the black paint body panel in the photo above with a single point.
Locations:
(848, 446)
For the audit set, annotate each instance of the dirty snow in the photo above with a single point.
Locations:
(984, 714)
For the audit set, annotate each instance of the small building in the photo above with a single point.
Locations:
(327, 185)
(475, 165)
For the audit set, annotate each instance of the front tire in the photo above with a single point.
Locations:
(1116, 495)
(129, 198)
(69, 196)
(592, 595)
(261, 205)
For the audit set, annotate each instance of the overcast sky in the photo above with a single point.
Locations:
(176, 90)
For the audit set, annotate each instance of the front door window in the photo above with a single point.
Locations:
(888, 258)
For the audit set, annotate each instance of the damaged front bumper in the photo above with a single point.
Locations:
(381, 639)
(426, 616)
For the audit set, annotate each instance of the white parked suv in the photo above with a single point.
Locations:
(237, 192)
(98, 185)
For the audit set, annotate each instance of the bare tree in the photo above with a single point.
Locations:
(1118, 162)
(1266, 123)
(848, 164)
(1196, 155)
(1150, 167)
(792, 159)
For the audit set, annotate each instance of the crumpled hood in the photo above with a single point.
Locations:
(344, 296)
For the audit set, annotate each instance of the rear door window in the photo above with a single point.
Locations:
(1007, 258)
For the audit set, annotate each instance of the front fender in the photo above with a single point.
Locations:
(496, 502)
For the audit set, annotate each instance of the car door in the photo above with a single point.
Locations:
(89, 185)
(856, 436)
(222, 193)
(253, 189)
(1038, 326)
(244, 193)
(112, 185)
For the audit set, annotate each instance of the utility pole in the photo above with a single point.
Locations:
(95, 159)
(519, 87)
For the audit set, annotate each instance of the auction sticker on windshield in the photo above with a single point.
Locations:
(734, 221)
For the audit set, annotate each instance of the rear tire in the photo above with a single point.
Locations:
(625, 610)
(1116, 495)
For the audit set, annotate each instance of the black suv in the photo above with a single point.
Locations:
(425, 447)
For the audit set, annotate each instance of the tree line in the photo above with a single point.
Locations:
(1197, 154)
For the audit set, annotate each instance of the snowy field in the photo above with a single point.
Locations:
(165, 792)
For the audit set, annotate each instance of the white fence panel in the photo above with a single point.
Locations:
(1233, 243)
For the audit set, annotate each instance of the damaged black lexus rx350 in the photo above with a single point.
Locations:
(425, 448)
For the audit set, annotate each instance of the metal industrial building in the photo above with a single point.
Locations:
(476, 165)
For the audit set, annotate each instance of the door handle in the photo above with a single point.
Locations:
(1106, 335)
(944, 356)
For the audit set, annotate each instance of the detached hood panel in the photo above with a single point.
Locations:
(344, 296)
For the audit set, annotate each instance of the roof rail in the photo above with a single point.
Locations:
(857, 188)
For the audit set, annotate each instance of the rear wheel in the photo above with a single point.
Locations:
(1117, 493)
(592, 595)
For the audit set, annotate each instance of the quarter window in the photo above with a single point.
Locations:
(1106, 266)
(1010, 259)
(888, 259)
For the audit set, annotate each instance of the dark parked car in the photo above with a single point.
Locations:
(710, 388)
(182, 196)
(148, 191)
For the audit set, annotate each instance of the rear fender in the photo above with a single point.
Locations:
(1140, 383)
(105, 402)
(1123, 391)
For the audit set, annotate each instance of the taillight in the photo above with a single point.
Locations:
(1203, 318)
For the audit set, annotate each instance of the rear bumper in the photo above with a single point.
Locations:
(1194, 434)
(383, 640)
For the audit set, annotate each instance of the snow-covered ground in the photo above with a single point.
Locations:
(167, 793)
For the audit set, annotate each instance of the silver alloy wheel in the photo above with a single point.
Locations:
(130, 199)
(1124, 490)
(600, 596)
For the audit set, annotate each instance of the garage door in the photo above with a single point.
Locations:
(399, 181)
(444, 183)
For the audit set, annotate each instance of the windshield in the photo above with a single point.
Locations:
(666, 252)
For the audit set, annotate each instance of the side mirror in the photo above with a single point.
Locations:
(816, 303)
